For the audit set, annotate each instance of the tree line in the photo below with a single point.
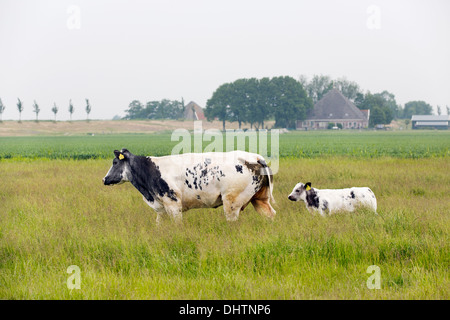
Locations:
(255, 101)
(36, 109)
(286, 100)
(164, 109)
(283, 99)
(250, 101)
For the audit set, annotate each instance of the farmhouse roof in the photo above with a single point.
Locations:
(443, 117)
(193, 111)
(334, 106)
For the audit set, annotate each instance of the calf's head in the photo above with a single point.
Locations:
(299, 191)
(120, 169)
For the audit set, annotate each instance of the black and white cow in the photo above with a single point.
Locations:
(332, 200)
(177, 183)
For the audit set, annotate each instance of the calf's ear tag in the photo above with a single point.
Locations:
(308, 188)
(121, 157)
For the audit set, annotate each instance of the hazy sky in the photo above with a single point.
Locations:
(115, 51)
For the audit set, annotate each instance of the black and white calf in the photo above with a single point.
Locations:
(176, 183)
(332, 200)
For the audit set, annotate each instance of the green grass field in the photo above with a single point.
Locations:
(55, 212)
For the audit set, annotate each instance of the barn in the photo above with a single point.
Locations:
(193, 111)
(430, 122)
(336, 109)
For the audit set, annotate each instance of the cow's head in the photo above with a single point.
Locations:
(120, 169)
(299, 191)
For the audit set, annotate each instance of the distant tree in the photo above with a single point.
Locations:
(303, 80)
(389, 101)
(349, 89)
(439, 110)
(418, 108)
(289, 101)
(400, 112)
(219, 104)
(151, 110)
(161, 109)
(318, 87)
(55, 109)
(255, 101)
(71, 109)
(240, 100)
(377, 116)
(248, 101)
(164, 109)
(262, 98)
(380, 105)
(36, 109)
(135, 110)
(359, 100)
(2, 108)
(178, 108)
(20, 108)
(407, 121)
(88, 109)
(448, 110)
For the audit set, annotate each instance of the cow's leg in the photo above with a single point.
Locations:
(175, 214)
(158, 218)
(159, 209)
(260, 202)
(233, 204)
(174, 211)
(263, 207)
(231, 209)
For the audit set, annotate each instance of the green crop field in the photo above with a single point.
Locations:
(408, 144)
(55, 213)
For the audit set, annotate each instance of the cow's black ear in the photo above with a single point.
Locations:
(125, 151)
(119, 154)
(308, 186)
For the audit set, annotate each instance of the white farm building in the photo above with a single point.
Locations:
(430, 122)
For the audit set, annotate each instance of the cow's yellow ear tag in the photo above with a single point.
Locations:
(121, 157)
(308, 188)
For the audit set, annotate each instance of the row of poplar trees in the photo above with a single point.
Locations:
(37, 109)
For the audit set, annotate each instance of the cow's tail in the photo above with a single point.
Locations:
(267, 172)
(263, 170)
